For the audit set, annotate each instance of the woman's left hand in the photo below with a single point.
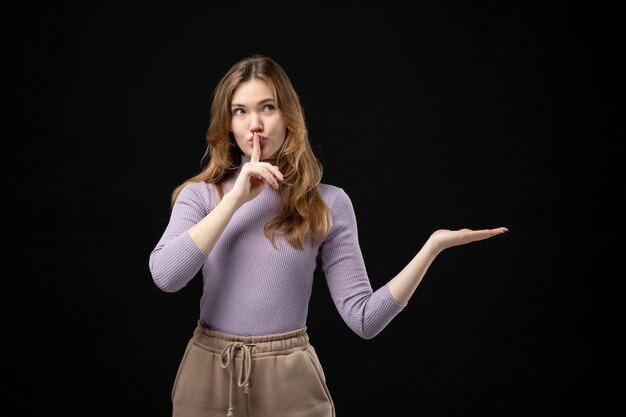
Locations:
(443, 238)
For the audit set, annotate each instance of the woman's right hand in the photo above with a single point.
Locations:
(254, 176)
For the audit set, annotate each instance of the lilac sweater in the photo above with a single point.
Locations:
(250, 288)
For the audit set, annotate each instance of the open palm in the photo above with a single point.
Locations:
(444, 238)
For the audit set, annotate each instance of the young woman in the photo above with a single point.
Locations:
(257, 221)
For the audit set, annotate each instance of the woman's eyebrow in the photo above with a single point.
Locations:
(267, 100)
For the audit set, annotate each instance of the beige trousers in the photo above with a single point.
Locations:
(276, 375)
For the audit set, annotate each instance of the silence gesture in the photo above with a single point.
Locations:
(255, 294)
(255, 175)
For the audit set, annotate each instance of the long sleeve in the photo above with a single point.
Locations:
(176, 259)
(365, 311)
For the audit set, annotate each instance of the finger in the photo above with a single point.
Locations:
(278, 173)
(498, 231)
(256, 149)
(487, 233)
(265, 176)
(470, 235)
(274, 169)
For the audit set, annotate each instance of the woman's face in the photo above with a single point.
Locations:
(254, 109)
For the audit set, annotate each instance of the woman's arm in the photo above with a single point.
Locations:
(404, 284)
(194, 227)
(207, 231)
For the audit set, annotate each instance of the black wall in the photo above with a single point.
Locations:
(440, 116)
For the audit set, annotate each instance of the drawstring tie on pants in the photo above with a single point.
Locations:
(228, 358)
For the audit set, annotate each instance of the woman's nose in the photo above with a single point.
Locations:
(256, 124)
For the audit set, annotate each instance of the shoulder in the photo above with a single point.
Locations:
(334, 196)
(195, 188)
(198, 192)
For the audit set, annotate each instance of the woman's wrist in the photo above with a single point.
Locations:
(432, 247)
(231, 202)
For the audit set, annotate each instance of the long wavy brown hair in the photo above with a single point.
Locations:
(304, 214)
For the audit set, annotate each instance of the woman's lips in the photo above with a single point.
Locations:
(261, 140)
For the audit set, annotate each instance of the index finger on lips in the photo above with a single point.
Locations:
(256, 149)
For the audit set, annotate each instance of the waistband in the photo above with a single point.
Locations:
(265, 345)
(230, 347)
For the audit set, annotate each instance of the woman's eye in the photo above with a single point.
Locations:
(238, 112)
(268, 107)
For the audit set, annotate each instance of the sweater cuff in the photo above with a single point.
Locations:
(179, 265)
(393, 300)
(191, 250)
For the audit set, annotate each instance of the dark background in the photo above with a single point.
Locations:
(444, 115)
